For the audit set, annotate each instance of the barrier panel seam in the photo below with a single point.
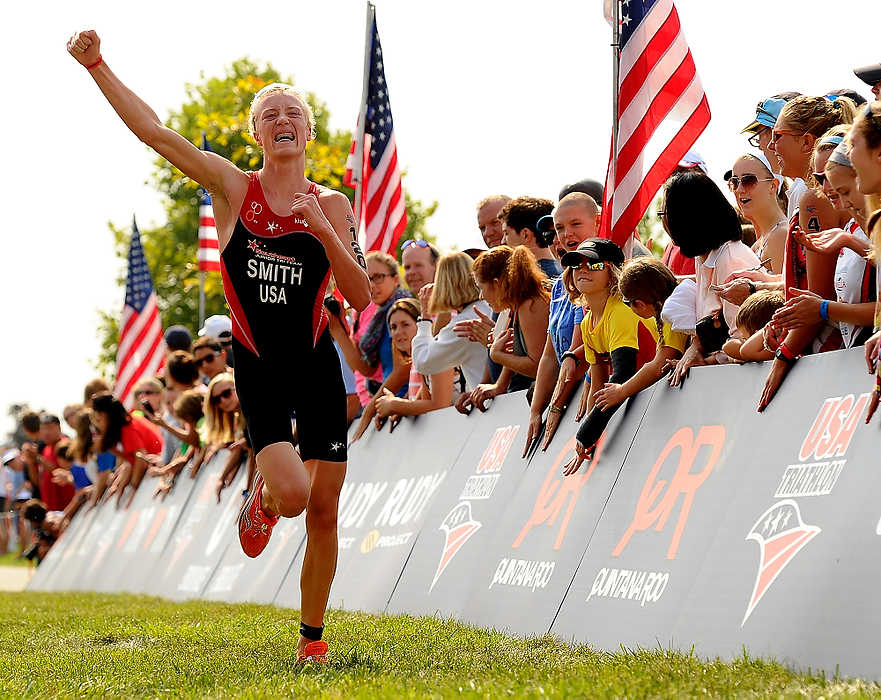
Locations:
(648, 403)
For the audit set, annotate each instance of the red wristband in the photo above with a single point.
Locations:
(96, 63)
(786, 352)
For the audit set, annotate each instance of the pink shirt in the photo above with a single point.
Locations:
(360, 380)
(714, 268)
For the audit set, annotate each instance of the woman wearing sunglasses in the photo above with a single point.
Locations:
(801, 123)
(864, 152)
(754, 187)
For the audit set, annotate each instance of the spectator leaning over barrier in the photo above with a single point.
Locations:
(617, 342)
(374, 350)
(488, 222)
(864, 151)
(644, 286)
(510, 280)
(131, 438)
(402, 369)
(97, 467)
(853, 308)
(747, 344)
(519, 219)
(419, 260)
(225, 427)
(55, 495)
(189, 409)
(705, 226)
(426, 393)
(575, 219)
(65, 475)
(454, 290)
(755, 187)
(801, 123)
(209, 358)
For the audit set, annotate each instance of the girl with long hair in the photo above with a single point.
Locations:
(510, 281)
(131, 438)
(754, 186)
(645, 284)
(427, 393)
(454, 291)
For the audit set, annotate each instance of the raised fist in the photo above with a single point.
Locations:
(85, 47)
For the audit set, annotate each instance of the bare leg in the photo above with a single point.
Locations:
(286, 491)
(319, 563)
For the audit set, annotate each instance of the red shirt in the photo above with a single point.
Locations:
(139, 436)
(54, 496)
(676, 261)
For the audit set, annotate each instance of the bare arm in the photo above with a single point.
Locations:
(331, 219)
(534, 326)
(350, 351)
(441, 396)
(216, 174)
(396, 379)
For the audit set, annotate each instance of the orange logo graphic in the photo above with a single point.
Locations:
(650, 511)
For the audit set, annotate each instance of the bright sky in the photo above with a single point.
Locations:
(491, 96)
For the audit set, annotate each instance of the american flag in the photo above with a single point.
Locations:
(383, 216)
(141, 347)
(662, 109)
(209, 248)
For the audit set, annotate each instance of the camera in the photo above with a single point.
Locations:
(332, 305)
(147, 408)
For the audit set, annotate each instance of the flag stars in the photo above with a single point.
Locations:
(625, 20)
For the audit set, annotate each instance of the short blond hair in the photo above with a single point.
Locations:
(454, 285)
(279, 89)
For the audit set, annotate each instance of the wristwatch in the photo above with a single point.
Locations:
(422, 318)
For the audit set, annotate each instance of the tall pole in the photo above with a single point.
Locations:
(616, 59)
(201, 298)
(362, 115)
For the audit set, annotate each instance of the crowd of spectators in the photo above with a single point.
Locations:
(781, 266)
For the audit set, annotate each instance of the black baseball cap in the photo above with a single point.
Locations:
(178, 338)
(870, 75)
(545, 224)
(595, 250)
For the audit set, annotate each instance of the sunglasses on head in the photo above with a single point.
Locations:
(592, 266)
(207, 358)
(413, 241)
(748, 181)
(225, 394)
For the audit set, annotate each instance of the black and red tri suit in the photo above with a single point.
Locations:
(275, 275)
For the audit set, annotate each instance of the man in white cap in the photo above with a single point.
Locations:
(220, 328)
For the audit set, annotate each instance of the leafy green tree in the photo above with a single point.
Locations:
(218, 106)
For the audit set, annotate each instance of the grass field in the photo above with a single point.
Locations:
(11, 559)
(65, 645)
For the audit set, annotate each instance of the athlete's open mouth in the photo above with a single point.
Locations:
(286, 136)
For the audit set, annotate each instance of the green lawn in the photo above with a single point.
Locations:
(11, 559)
(66, 645)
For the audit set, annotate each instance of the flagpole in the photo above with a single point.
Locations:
(616, 59)
(201, 298)
(362, 116)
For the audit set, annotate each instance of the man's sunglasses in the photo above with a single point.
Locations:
(748, 181)
(146, 392)
(207, 358)
(225, 394)
(413, 241)
(592, 266)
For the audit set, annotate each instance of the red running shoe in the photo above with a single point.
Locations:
(314, 652)
(255, 525)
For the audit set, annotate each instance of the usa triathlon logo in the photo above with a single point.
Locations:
(780, 533)
(457, 527)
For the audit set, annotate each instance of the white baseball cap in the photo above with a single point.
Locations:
(216, 326)
(8, 456)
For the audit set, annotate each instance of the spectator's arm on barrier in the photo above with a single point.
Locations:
(754, 349)
(393, 383)
(692, 357)
(613, 394)
(231, 468)
(433, 354)
(440, 396)
(483, 392)
(545, 381)
(533, 316)
(803, 309)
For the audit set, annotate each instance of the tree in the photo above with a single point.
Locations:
(219, 106)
